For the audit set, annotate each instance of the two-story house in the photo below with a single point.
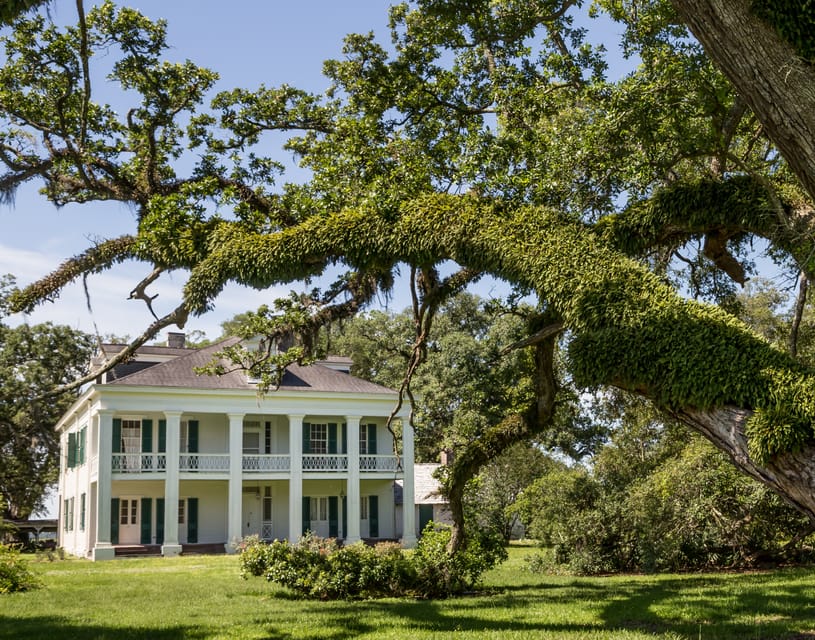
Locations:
(155, 454)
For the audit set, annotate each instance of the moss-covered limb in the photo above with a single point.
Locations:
(98, 258)
(717, 210)
(629, 328)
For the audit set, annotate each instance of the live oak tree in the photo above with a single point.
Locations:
(33, 360)
(489, 137)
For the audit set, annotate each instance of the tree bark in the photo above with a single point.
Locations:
(777, 84)
(791, 475)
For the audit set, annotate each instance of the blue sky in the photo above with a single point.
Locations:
(247, 43)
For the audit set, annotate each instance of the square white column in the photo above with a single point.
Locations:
(103, 549)
(235, 514)
(171, 546)
(295, 477)
(408, 506)
(353, 490)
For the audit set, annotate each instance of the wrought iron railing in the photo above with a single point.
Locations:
(260, 463)
(209, 462)
(325, 462)
(138, 462)
(372, 463)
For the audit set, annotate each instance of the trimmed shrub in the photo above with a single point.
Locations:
(319, 568)
(14, 572)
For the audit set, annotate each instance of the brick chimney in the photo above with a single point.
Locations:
(176, 340)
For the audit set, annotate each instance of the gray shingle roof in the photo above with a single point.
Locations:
(179, 372)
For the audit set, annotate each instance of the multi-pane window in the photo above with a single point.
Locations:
(319, 438)
(267, 504)
(82, 512)
(184, 437)
(319, 509)
(182, 511)
(363, 439)
(128, 511)
(68, 514)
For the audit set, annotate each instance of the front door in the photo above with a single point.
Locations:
(129, 521)
(251, 514)
(319, 516)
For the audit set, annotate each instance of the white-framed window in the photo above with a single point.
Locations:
(184, 436)
(319, 438)
(319, 509)
(363, 507)
(182, 511)
(251, 437)
(363, 439)
(82, 501)
(131, 435)
(267, 504)
(128, 511)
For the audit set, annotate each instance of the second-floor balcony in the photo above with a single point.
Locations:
(251, 463)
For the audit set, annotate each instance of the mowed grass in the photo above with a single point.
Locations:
(204, 597)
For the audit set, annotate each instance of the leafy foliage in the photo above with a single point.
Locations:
(658, 500)
(14, 572)
(34, 360)
(319, 568)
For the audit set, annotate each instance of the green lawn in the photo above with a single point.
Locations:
(204, 597)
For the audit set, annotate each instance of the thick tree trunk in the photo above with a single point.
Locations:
(791, 475)
(777, 84)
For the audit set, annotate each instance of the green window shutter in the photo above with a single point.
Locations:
(146, 520)
(306, 516)
(373, 516)
(82, 512)
(306, 437)
(425, 516)
(192, 520)
(83, 445)
(147, 436)
(333, 517)
(372, 439)
(332, 437)
(344, 438)
(71, 450)
(117, 435)
(159, 520)
(192, 436)
(162, 436)
(65, 514)
(344, 516)
(114, 520)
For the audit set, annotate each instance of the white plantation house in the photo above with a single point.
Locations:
(158, 457)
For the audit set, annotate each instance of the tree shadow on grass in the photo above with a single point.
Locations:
(757, 606)
(57, 628)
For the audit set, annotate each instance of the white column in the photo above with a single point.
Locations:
(408, 506)
(295, 477)
(352, 526)
(103, 549)
(235, 511)
(171, 546)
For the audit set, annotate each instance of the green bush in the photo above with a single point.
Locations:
(14, 572)
(321, 569)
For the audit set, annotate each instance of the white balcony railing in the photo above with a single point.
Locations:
(208, 462)
(254, 463)
(325, 462)
(260, 463)
(371, 463)
(138, 462)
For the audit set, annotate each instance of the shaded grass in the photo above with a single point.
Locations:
(203, 597)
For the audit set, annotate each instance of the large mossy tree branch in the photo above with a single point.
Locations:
(629, 328)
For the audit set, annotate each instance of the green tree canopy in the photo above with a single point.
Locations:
(489, 136)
